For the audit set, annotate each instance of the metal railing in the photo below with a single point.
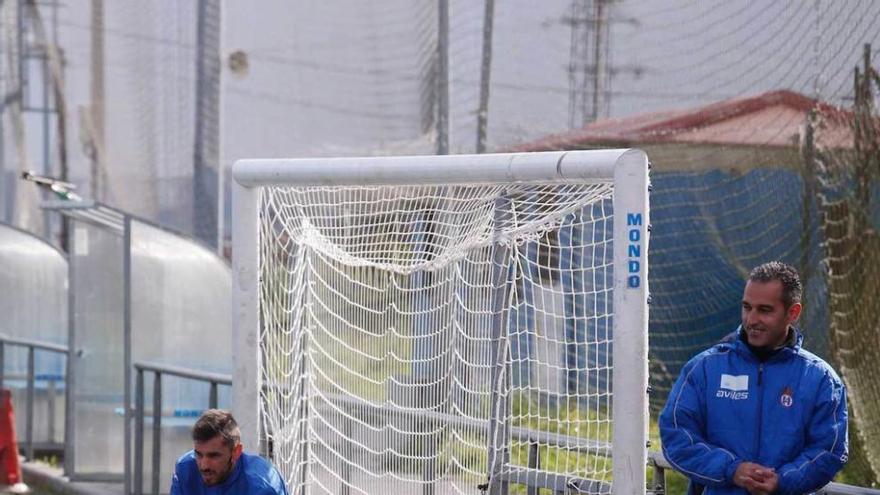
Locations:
(532, 476)
(160, 370)
(660, 465)
(32, 346)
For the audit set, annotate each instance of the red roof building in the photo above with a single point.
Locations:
(773, 121)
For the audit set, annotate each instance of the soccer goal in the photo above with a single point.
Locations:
(444, 324)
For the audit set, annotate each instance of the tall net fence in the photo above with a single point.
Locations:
(153, 105)
(844, 174)
(761, 123)
(737, 181)
(427, 336)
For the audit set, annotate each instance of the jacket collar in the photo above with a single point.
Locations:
(792, 346)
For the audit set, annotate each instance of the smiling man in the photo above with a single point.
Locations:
(757, 413)
(216, 465)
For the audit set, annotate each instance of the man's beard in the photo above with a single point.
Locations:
(224, 475)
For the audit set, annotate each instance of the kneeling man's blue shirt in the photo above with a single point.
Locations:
(252, 475)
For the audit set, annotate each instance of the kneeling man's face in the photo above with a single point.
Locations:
(216, 459)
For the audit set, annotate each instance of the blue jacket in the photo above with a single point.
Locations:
(252, 475)
(727, 407)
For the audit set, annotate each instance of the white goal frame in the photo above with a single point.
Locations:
(628, 168)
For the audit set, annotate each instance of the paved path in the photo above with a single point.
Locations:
(43, 478)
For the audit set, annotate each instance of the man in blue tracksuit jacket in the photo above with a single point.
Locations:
(217, 466)
(757, 413)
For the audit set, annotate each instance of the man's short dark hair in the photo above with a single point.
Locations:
(215, 422)
(787, 276)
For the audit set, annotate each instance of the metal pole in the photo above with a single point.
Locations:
(205, 149)
(96, 91)
(47, 168)
(576, 61)
(212, 400)
(19, 34)
(127, 350)
(598, 69)
(2, 361)
(157, 430)
(499, 454)
(534, 462)
(485, 75)
(808, 157)
(630, 326)
(29, 408)
(303, 417)
(545, 166)
(245, 320)
(72, 356)
(7, 213)
(659, 478)
(443, 78)
(139, 433)
(345, 489)
(50, 392)
(429, 471)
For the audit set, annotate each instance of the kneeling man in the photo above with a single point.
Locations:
(216, 465)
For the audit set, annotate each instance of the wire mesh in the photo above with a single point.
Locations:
(408, 332)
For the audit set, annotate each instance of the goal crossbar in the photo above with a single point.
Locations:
(627, 169)
(551, 166)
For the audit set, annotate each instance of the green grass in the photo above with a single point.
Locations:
(567, 420)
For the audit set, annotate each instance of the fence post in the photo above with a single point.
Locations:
(157, 429)
(138, 488)
(534, 462)
(212, 401)
(659, 483)
(499, 423)
(29, 409)
(50, 393)
(345, 489)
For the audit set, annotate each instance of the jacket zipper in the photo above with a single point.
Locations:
(760, 412)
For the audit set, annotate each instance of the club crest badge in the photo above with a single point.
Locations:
(787, 398)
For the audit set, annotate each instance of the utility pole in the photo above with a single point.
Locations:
(584, 64)
(589, 72)
(442, 78)
(485, 75)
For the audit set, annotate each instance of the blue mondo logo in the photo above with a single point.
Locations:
(634, 250)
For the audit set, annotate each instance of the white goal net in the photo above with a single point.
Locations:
(438, 338)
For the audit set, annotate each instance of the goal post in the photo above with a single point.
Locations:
(433, 321)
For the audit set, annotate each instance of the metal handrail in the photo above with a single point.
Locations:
(32, 346)
(523, 475)
(550, 479)
(158, 370)
(660, 464)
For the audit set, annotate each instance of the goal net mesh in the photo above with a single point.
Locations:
(421, 337)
